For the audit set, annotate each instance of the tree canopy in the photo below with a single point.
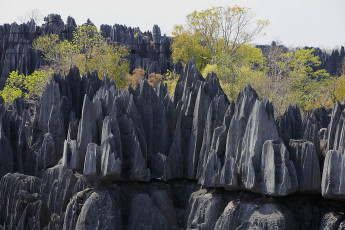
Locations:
(220, 41)
(216, 35)
(19, 85)
(89, 51)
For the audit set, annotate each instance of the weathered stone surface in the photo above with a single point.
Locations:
(6, 154)
(278, 174)
(72, 130)
(70, 157)
(58, 187)
(204, 209)
(145, 214)
(94, 209)
(56, 222)
(116, 139)
(333, 175)
(303, 155)
(111, 163)
(74, 208)
(46, 157)
(331, 221)
(132, 140)
(57, 130)
(342, 225)
(11, 203)
(214, 142)
(255, 215)
(86, 131)
(92, 161)
(50, 97)
(260, 127)
(243, 108)
(335, 126)
(290, 124)
(36, 215)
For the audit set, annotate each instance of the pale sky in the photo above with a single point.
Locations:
(293, 22)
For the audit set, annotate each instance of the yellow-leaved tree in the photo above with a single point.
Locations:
(220, 39)
(19, 85)
(89, 51)
(216, 35)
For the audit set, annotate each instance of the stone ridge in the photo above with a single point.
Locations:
(149, 50)
(16, 40)
(95, 156)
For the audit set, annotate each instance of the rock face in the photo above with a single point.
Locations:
(106, 158)
(307, 166)
(100, 210)
(278, 173)
(332, 185)
(332, 178)
(17, 190)
(6, 164)
(149, 50)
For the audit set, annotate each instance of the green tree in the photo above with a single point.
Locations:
(19, 85)
(64, 54)
(247, 68)
(294, 78)
(306, 82)
(88, 41)
(214, 36)
(89, 51)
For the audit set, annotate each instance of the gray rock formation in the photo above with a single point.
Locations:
(260, 127)
(36, 215)
(57, 130)
(290, 124)
(137, 159)
(205, 209)
(12, 205)
(304, 158)
(277, 171)
(336, 128)
(333, 178)
(86, 131)
(50, 97)
(6, 164)
(145, 214)
(46, 157)
(331, 220)
(58, 187)
(255, 215)
(101, 210)
(70, 154)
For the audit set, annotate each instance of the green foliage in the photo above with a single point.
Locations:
(171, 79)
(13, 88)
(36, 82)
(19, 85)
(216, 35)
(306, 83)
(246, 68)
(284, 77)
(293, 78)
(89, 51)
(209, 69)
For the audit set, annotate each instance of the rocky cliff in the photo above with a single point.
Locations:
(92, 156)
(149, 50)
(332, 62)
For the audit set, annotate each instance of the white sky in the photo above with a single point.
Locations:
(294, 22)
